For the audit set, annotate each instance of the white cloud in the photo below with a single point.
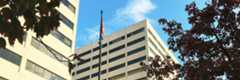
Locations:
(135, 10)
(93, 33)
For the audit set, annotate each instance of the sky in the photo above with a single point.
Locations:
(118, 14)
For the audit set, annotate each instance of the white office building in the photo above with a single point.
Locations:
(33, 60)
(122, 52)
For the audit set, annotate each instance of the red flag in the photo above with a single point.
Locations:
(101, 27)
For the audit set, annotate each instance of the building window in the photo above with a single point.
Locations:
(138, 70)
(116, 40)
(40, 71)
(66, 21)
(85, 61)
(116, 58)
(117, 48)
(136, 51)
(62, 38)
(69, 5)
(84, 78)
(10, 56)
(97, 48)
(97, 56)
(49, 52)
(96, 73)
(116, 67)
(136, 41)
(136, 60)
(84, 53)
(83, 70)
(117, 77)
(96, 65)
(135, 32)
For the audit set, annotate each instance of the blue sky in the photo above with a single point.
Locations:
(118, 14)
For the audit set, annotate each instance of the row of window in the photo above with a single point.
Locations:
(119, 39)
(45, 49)
(136, 50)
(96, 73)
(116, 48)
(114, 67)
(118, 57)
(116, 40)
(66, 21)
(114, 58)
(119, 76)
(10, 56)
(69, 5)
(136, 60)
(136, 41)
(135, 32)
(62, 38)
(40, 71)
(84, 78)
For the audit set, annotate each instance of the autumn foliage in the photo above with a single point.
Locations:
(40, 16)
(210, 50)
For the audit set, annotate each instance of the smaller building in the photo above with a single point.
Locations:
(122, 52)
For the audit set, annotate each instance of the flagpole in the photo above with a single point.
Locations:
(100, 46)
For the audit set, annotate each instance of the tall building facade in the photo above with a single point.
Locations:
(122, 52)
(34, 60)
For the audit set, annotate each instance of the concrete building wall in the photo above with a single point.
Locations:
(32, 61)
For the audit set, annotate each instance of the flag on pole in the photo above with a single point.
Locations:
(101, 27)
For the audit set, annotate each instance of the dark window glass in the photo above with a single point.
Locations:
(136, 51)
(135, 32)
(117, 48)
(136, 60)
(42, 72)
(69, 5)
(116, 58)
(66, 21)
(117, 40)
(10, 56)
(97, 48)
(85, 61)
(84, 78)
(96, 65)
(116, 67)
(62, 38)
(96, 73)
(84, 53)
(97, 56)
(103, 71)
(136, 41)
(48, 50)
(83, 70)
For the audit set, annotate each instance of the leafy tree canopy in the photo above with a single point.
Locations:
(19, 16)
(209, 50)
